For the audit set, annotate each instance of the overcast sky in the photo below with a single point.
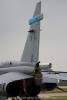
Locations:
(14, 16)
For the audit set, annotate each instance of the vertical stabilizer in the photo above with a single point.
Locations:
(31, 49)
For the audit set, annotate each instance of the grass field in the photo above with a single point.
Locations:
(55, 98)
(56, 90)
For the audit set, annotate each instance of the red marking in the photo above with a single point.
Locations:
(31, 31)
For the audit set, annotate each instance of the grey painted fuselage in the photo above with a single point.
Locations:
(22, 69)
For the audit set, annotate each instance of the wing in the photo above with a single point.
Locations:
(13, 76)
(47, 79)
(49, 76)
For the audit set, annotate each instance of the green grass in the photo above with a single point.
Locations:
(56, 98)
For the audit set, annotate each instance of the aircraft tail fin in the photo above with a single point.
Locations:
(31, 49)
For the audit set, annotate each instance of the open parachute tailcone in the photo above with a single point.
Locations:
(31, 49)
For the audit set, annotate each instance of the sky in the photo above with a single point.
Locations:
(14, 16)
